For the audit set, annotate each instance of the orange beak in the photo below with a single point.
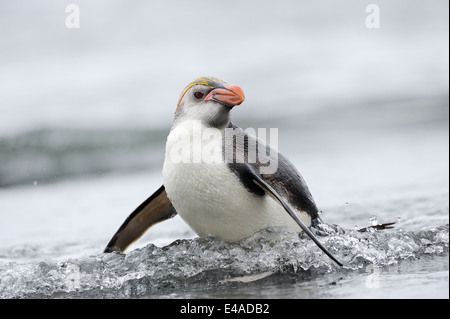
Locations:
(230, 95)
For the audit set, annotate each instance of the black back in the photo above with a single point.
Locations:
(286, 180)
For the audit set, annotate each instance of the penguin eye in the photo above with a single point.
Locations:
(198, 95)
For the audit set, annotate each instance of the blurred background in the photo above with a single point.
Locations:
(84, 112)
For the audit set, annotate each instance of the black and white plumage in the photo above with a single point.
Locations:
(218, 184)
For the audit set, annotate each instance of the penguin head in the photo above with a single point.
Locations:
(209, 100)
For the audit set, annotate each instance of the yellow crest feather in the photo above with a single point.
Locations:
(208, 81)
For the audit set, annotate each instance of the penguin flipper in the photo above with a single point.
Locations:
(155, 209)
(273, 193)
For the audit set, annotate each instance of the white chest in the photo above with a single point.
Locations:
(207, 194)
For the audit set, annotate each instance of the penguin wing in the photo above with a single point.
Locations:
(285, 184)
(288, 182)
(155, 209)
(268, 189)
(285, 179)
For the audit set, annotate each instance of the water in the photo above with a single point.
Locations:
(54, 232)
(363, 115)
(208, 267)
